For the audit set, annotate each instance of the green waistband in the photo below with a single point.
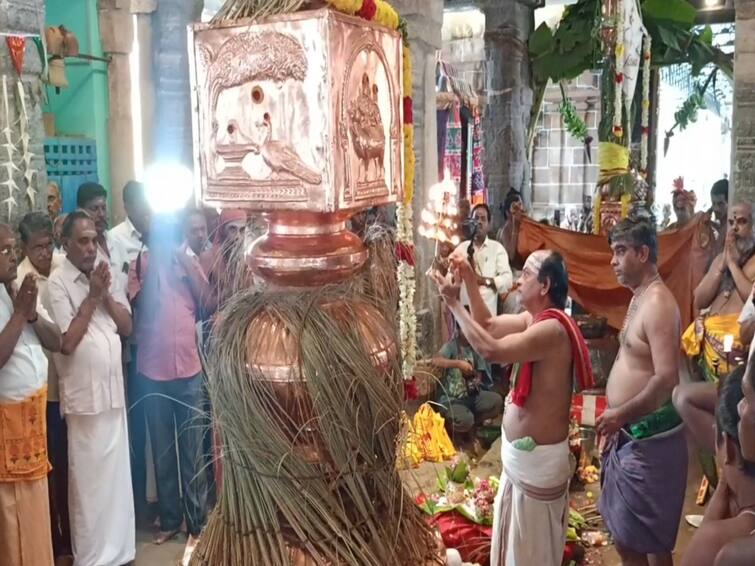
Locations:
(662, 420)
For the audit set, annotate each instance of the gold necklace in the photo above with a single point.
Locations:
(634, 306)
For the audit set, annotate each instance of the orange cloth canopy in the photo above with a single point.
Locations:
(683, 258)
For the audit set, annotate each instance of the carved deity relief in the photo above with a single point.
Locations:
(301, 113)
(367, 135)
(370, 132)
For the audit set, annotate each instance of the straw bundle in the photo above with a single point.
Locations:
(240, 9)
(380, 274)
(311, 481)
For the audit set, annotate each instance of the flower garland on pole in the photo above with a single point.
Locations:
(384, 14)
(645, 134)
(618, 104)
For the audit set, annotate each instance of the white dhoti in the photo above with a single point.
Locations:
(100, 497)
(531, 508)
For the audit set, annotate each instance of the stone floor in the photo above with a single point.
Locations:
(149, 554)
(423, 479)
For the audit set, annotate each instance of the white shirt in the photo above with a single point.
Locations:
(25, 372)
(58, 255)
(91, 378)
(24, 268)
(117, 258)
(747, 314)
(492, 262)
(128, 238)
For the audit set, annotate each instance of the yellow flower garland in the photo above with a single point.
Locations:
(407, 76)
(346, 6)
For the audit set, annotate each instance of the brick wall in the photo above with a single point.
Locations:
(561, 171)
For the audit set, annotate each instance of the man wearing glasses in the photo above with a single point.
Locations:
(26, 329)
(37, 245)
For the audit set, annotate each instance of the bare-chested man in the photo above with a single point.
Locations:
(645, 451)
(720, 298)
(530, 510)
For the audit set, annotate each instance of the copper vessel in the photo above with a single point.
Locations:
(300, 117)
(304, 249)
(273, 359)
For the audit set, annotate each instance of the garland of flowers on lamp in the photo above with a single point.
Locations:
(384, 14)
(645, 106)
(618, 104)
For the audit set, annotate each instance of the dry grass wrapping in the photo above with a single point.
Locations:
(279, 506)
(241, 9)
(380, 274)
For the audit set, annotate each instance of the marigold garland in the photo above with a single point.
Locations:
(350, 7)
(383, 13)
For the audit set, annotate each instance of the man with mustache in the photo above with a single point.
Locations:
(713, 340)
(642, 438)
(552, 360)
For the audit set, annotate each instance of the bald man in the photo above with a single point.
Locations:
(549, 351)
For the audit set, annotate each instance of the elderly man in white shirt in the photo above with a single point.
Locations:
(92, 197)
(489, 260)
(36, 231)
(92, 312)
(25, 537)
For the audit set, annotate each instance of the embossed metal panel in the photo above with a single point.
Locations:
(297, 112)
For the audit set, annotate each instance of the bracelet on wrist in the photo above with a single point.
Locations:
(33, 320)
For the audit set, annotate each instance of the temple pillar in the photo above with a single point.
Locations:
(425, 19)
(742, 187)
(117, 36)
(171, 130)
(509, 97)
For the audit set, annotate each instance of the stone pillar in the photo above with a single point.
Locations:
(23, 16)
(171, 130)
(425, 19)
(742, 187)
(508, 24)
(117, 35)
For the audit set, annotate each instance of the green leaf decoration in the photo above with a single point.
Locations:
(670, 38)
(572, 121)
(677, 11)
(541, 40)
(572, 48)
(707, 35)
